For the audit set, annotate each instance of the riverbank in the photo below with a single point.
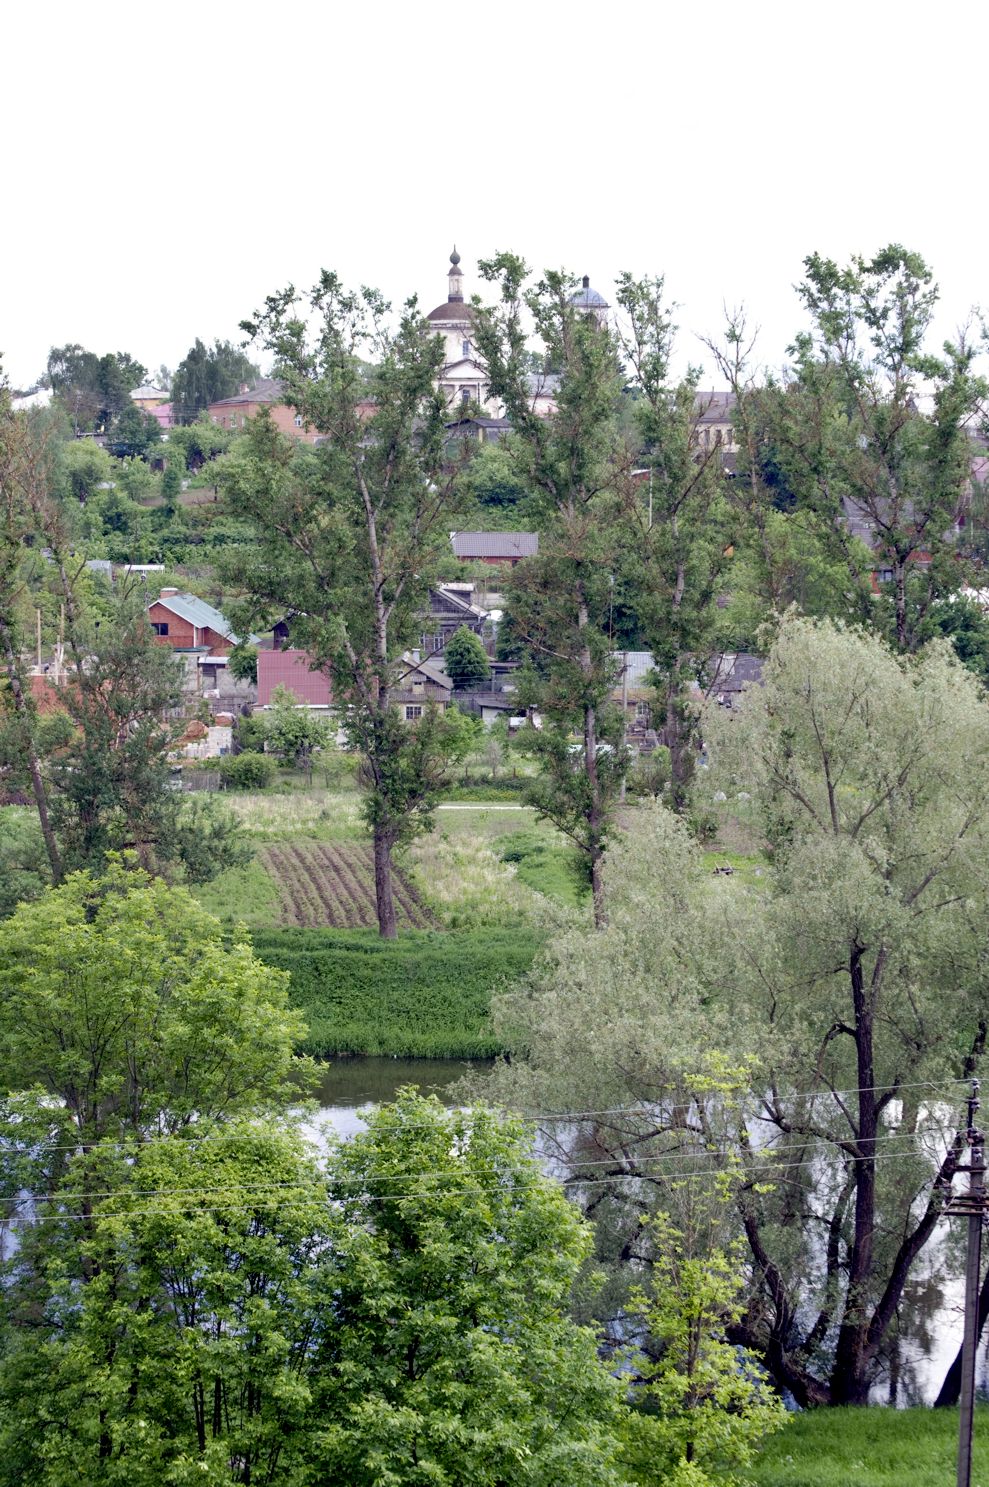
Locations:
(424, 995)
(870, 1448)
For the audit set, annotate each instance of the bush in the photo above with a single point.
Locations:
(247, 771)
(426, 995)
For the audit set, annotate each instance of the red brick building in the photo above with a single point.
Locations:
(186, 623)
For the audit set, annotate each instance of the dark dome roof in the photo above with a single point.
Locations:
(454, 309)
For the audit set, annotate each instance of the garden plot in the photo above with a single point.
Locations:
(332, 884)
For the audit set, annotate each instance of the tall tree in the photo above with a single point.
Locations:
(20, 473)
(873, 432)
(205, 375)
(847, 990)
(561, 599)
(679, 526)
(466, 660)
(93, 390)
(349, 533)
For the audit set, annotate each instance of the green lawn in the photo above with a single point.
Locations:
(870, 1448)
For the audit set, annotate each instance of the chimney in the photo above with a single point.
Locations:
(168, 593)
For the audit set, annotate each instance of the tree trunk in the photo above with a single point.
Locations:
(900, 582)
(950, 1389)
(383, 895)
(595, 818)
(849, 1377)
(34, 768)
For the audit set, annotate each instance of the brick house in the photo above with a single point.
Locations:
(233, 413)
(417, 684)
(185, 623)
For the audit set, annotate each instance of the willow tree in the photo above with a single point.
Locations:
(348, 533)
(802, 1039)
(572, 459)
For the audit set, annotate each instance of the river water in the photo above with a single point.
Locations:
(933, 1302)
(350, 1084)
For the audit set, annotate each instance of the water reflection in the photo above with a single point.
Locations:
(350, 1084)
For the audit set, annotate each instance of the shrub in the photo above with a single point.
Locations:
(248, 771)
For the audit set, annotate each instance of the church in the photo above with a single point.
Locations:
(462, 379)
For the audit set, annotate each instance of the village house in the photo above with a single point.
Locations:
(450, 606)
(417, 684)
(494, 547)
(203, 638)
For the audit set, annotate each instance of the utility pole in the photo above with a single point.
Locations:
(972, 1204)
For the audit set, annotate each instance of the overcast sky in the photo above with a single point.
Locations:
(167, 166)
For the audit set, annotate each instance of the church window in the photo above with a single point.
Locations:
(466, 350)
(465, 395)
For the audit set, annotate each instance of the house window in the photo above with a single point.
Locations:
(159, 629)
(412, 712)
(298, 420)
(642, 710)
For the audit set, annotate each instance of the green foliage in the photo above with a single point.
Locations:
(208, 840)
(650, 773)
(491, 480)
(93, 390)
(24, 868)
(242, 662)
(703, 1405)
(177, 1333)
(135, 434)
(82, 468)
(425, 995)
(547, 866)
(452, 1357)
(856, 966)
(293, 732)
(207, 375)
(199, 442)
(123, 1004)
(350, 532)
(247, 771)
(466, 661)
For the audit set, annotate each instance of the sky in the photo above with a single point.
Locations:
(169, 166)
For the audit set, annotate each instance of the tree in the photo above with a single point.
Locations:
(206, 375)
(135, 434)
(294, 732)
(93, 390)
(851, 434)
(452, 1357)
(855, 985)
(159, 1291)
(560, 600)
(186, 1354)
(679, 526)
(466, 660)
(703, 1404)
(349, 532)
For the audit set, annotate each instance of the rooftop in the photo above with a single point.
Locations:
(196, 612)
(265, 390)
(495, 544)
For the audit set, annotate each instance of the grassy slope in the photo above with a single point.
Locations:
(870, 1448)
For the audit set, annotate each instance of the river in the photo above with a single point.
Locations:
(932, 1303)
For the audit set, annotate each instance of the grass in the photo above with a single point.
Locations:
(243, 895)
(324, 815)
(425, 995)
(468, 885)
(870, 1448)
(545, 863)
(751, 868)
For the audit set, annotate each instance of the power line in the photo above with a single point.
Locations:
(408, 1195)
(629, 1112)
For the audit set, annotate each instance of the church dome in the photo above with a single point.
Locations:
(586, 298)
(454, 311)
